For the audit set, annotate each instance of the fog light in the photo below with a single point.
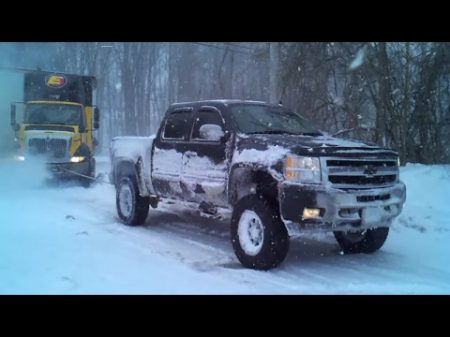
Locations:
(311, 213)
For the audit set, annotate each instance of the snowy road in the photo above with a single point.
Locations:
(69, 240)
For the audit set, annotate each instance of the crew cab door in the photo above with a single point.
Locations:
(167, 159)
(205, 164)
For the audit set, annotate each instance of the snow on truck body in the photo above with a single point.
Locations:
(254, 158)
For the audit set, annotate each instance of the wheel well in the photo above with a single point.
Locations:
(123, 168)
(245, 181)
(83, 150)
(266, 185)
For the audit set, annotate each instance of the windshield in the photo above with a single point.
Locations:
(53, 114)
(266, 119)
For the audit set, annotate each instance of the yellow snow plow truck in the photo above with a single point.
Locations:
(58, 123)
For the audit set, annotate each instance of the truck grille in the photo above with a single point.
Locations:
(56, 148)
(361, 173)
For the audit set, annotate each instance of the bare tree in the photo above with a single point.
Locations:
(393, 94)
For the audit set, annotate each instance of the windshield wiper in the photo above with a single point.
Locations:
(272, 132)
(284, 132)
(312, 133)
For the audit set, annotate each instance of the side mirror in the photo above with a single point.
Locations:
(96, 118)
(13, 117)
(211, 132)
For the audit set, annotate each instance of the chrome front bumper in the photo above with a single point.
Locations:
(340, 210)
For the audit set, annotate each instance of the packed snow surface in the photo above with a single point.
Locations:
(67, 239)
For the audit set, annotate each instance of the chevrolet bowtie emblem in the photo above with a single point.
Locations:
(370, 170)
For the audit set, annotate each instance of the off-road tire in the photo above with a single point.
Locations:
(371, 240)
(137, 211)
(274, 244)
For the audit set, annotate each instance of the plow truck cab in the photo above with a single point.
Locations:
(58, 123)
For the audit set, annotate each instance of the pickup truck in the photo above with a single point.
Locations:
(270, 168)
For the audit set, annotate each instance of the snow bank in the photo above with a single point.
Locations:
(428, 197)
(423, 228)
(68, 240)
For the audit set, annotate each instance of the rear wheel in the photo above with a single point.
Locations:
(131, 207)
(259, 237)
(365, 241)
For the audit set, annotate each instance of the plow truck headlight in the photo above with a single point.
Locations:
(302, 169)
(19, 158)
(77, 159)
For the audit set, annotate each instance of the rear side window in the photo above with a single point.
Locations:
(176, 125)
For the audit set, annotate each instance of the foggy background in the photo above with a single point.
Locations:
(11, 85)
(392, 94)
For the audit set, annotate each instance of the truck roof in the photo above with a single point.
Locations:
(216, 103)
(54, 102)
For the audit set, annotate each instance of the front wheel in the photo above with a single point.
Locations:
(131, 207)
(92, 167)
(90, 173)
(366, 241)
(259, 237)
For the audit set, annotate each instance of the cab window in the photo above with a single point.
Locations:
(176, 125)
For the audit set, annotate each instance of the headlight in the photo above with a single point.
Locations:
(77, 159)
(19, 158)
(302, 169)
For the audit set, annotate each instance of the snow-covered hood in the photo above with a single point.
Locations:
(308, 145)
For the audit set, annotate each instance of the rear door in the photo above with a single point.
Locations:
(205, 168)
(170, 146)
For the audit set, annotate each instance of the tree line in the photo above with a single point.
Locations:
(391, 94)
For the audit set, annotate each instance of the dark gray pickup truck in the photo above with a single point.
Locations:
(276, 175)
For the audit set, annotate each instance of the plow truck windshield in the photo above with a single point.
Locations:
(64, 114)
